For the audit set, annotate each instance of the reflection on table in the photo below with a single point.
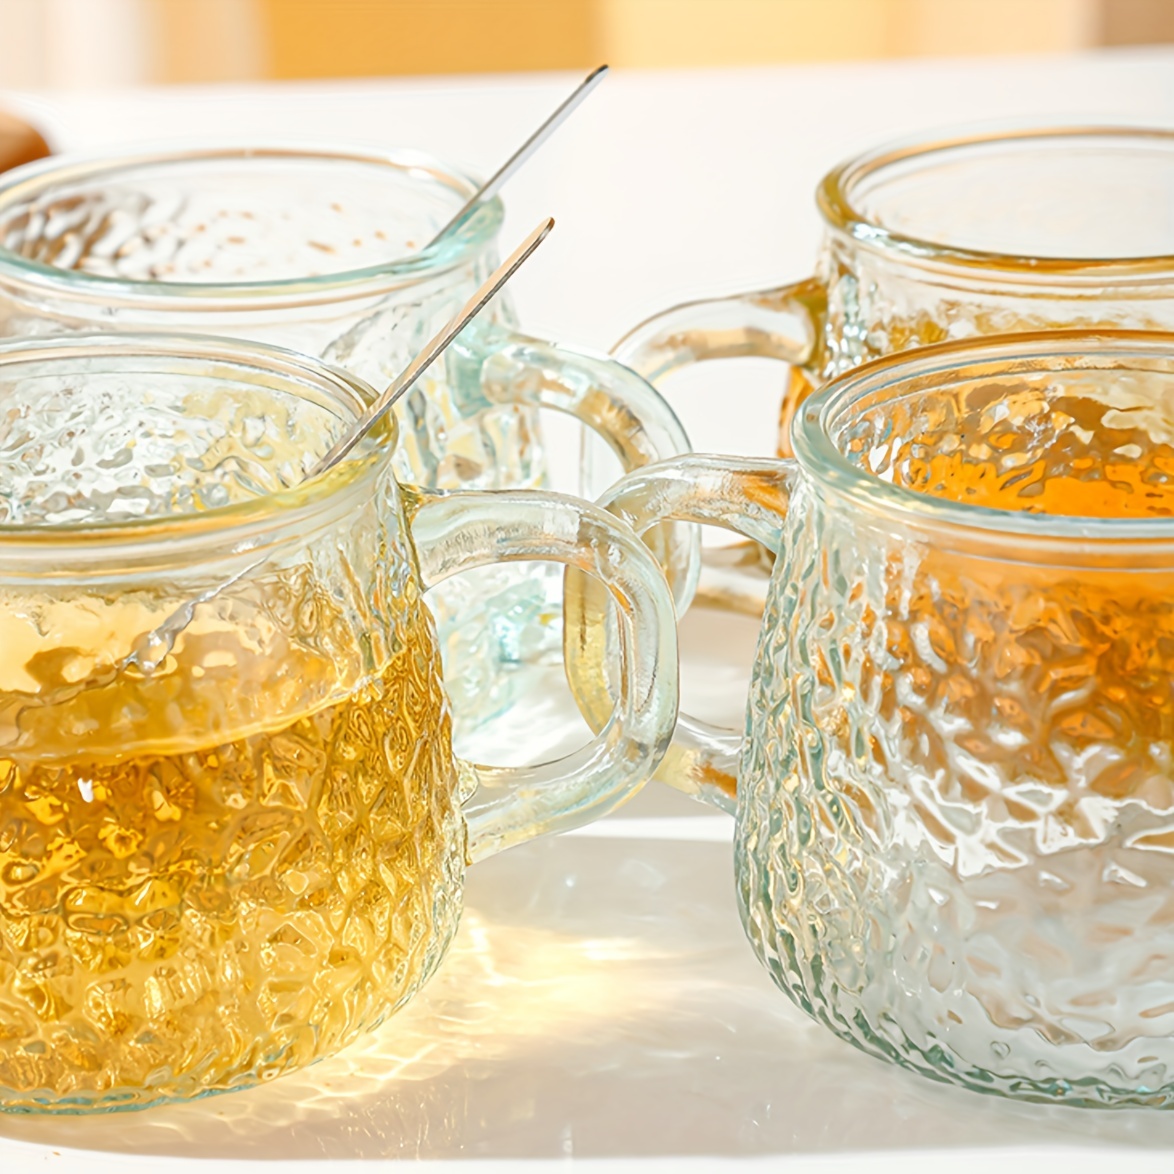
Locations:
(600, 1001)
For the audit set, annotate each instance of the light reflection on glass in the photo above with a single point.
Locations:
(622, 1014)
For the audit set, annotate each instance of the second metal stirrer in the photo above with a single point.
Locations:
(153, 647)
(433, 349)
(496, 181)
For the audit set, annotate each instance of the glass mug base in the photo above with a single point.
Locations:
(964, 1050)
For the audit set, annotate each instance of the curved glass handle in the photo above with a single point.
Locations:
(613, 403)
(455, 532)
(782, 323)
(747, 495)
(785, 323)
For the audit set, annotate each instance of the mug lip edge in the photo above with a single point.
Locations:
(229, 527)
(834, 201)
(30, 179)
(822, 460)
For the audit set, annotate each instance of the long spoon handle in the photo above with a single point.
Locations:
(493, 185)
(434, 348)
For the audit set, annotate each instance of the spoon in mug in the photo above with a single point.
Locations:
(152, 648)
(433, 349)
(495, 182)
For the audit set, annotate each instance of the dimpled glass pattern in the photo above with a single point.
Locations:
(935, 241)
(225, 866)
(956, 808)
(190, 228)
(1080, 196)
(878, 304)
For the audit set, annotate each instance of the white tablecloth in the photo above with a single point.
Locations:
(601, 1002)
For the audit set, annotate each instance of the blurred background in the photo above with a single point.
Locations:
(103, 43)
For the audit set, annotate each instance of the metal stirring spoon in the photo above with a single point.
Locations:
(152, 648)
(494, 183)
(433, 349)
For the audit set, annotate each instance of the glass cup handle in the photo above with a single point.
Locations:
(613, 404)
(783, 323)
(455, 532)
(747, 495)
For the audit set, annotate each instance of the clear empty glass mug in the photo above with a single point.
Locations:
(322, 250)
(936, 239)
(954, 792)
(233, 833)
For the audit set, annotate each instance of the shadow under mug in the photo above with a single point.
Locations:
(320, 249)
(233, 832)
(955, 790)
(924, 241)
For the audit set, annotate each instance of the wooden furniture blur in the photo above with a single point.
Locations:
(338, 38)
(19, 142)
(356, 38)
(1136, 22)
(82, 44)
(686, 33)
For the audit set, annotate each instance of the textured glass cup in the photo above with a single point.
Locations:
(233, 833)
(931, 240)
(321, 250)
(955, 792)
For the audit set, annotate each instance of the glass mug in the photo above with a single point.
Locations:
(233, 833)
(955, 792)
(321, 250)
(935, 239)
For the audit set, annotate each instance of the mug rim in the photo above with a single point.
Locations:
(834, 198)
(34, 179)
(242, 525)
(820, 457)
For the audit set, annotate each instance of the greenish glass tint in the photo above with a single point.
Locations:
(319, 250)
(955, 785)
(225, 854)
(993, 231)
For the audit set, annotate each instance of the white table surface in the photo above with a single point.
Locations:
(601, 1003)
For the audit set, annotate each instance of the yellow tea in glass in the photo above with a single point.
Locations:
(231, 825)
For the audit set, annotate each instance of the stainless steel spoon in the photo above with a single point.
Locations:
(493, 185)
(153, 647)
(433, 349)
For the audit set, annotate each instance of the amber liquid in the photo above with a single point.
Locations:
(1047, 672)
(195, 914)
(1069, 455)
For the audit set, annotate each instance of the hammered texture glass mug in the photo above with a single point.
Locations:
(233, 833)
(936, 239)
(955, 791)
(322, 251)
